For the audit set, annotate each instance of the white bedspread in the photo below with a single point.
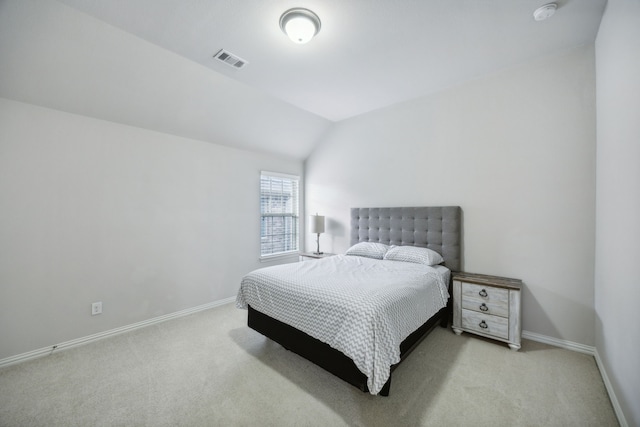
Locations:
(360, 306)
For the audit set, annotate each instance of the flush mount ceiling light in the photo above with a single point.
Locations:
(544, 12)
(301, 25)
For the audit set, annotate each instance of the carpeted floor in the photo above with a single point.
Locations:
(209, 369)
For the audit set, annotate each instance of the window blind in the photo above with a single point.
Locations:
(279, 206)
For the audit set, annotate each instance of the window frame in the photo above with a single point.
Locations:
(296, 215)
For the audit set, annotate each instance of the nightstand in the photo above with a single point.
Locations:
(488, 306)
(307, 256)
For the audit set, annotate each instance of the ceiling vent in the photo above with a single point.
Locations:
(230, 59)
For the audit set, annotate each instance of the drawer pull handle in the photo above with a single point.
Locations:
(483, 293)
(484, 307)
(483, 325)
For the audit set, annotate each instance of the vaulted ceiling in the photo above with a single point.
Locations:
(150, 63)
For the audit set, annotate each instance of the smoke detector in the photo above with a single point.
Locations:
(544, 12)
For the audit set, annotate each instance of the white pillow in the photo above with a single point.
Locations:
(368, 250)
(413, 254)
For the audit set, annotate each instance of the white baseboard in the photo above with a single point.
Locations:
(586, 349)
(612, 395)
(556, 342)
(95, 337)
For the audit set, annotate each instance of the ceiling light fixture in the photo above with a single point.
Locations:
(301, 25)
(544, 12)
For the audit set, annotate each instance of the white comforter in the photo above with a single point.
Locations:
(360, 306)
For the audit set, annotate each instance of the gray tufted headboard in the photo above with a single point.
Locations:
(438, 228)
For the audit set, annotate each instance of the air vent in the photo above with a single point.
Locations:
(230, 59)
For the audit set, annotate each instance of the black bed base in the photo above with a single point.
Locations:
(329, 358)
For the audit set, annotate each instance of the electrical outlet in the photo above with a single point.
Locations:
(96, 308)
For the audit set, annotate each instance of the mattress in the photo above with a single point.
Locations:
(360, 306)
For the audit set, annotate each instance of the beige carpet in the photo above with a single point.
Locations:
(209, 369)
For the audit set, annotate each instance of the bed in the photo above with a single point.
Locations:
(371, 312)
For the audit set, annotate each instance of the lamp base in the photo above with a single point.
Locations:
(317, 252)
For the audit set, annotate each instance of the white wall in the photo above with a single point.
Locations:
(147, 223)
(617, 286)
(516, 150)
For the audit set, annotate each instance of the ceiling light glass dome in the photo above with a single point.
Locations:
(301, 25)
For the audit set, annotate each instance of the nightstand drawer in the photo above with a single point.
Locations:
(485, 299)
(486, 324)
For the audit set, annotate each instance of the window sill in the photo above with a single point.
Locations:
(280, 257)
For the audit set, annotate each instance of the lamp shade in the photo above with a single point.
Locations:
(316, 223)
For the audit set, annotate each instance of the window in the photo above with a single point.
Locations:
(279, 204)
